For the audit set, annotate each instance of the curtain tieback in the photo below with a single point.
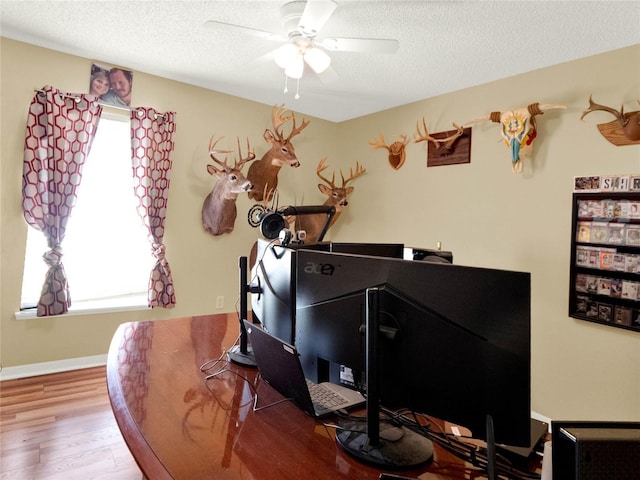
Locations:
(53, 256)
(158, 251)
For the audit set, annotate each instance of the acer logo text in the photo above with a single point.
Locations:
(319, 268)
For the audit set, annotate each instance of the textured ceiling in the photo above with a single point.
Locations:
(444, 45)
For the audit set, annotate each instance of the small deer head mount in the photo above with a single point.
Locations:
(336, 197)
(624, 130)
(519, 129)
(263, 174)
(396, 151)
(219, 208)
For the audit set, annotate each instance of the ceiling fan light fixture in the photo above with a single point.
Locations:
(295, 68)
(286, 55)
(317, 59)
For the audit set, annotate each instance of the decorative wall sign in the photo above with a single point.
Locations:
(450, 153)
(449, 147)
(607, 183)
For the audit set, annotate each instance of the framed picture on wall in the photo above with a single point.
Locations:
(112, 84)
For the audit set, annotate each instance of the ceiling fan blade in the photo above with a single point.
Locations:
(231, 28)
(315, 15)
(365, 45)
(329, 76)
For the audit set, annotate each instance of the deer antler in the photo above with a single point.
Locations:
(449, 141)
(423, 137)
(379, 142)
(359, 171)
(295, 131)
(322, 166)
(438, 142)
(213, 151)
(250, 155)
(593, 107)
(278, 118)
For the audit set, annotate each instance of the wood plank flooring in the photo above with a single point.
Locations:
(61, 427)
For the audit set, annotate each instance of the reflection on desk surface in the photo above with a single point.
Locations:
(180, 426)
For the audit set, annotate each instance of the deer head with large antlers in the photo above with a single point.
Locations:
(336, 197)
(219, 209)
(263, 174)
(519, 129)
(396, 151)
(628, 122)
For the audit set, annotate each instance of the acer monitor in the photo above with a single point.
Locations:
(273, 285)
(454, 341)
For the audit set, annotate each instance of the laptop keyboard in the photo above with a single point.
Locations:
(325, 397)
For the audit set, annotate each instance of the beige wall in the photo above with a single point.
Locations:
(482, 211)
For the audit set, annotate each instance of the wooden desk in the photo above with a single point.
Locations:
(179, 426)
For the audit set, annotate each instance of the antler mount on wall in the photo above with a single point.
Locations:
(624, 130)
(450, 148)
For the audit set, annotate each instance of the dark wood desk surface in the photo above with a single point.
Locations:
(179, 426)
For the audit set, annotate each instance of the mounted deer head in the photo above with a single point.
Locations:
(396, 151)
(263, 174)
(336, 197)
(629, 122)
(519, 129)
(219, 208)
(447, 142)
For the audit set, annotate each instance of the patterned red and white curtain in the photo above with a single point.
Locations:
(60, 131)
(151, 147)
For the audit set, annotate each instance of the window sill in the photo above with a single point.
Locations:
(114, 305)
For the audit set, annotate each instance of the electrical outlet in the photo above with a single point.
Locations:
(220, 302)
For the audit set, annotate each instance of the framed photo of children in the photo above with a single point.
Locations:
(112, 84)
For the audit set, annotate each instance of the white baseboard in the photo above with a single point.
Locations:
(44, 368)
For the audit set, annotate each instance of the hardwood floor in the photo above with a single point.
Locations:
(60, 427)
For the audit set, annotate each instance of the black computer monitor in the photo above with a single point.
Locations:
(273, 279)
(454, 341)
(389, 250)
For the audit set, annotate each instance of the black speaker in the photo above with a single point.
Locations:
(271, 225)
(595, 450)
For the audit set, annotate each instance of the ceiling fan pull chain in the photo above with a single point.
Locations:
(286, 78)
(297, 89)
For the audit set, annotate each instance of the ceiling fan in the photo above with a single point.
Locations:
(303, 21)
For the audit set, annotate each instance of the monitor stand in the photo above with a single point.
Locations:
(491, 450)
(243, 354)
(373, 441)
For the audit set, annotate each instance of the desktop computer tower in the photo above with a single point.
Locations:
(595, 450)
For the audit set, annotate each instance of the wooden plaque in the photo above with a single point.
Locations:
(460, 152)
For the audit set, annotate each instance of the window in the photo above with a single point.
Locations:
(106, 254)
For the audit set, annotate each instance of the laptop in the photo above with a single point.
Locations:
(280, 367)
